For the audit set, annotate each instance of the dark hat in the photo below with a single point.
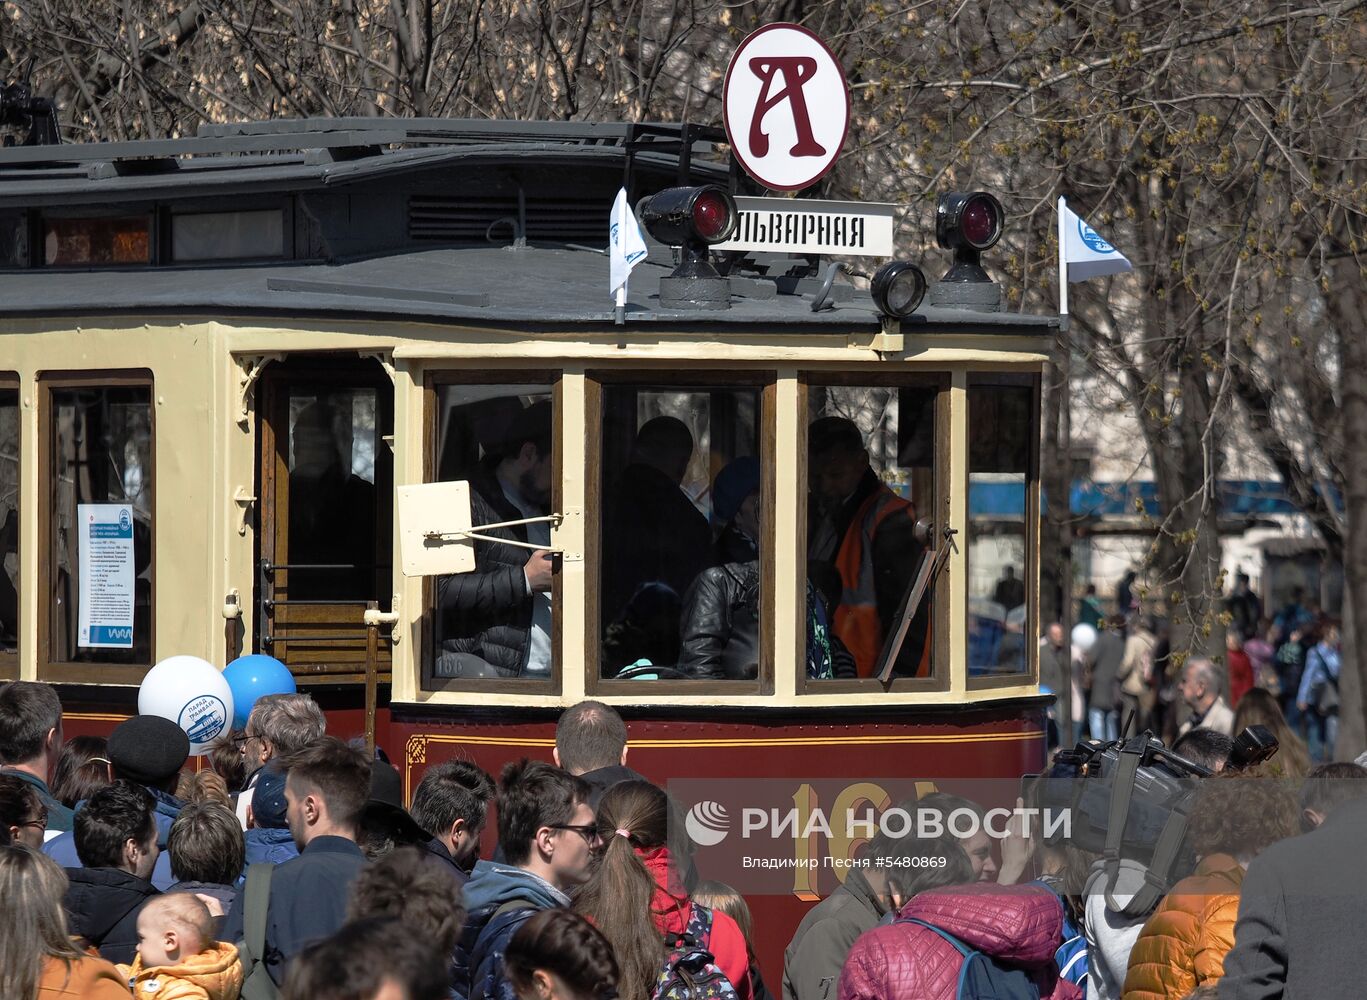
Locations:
(386, 804)
(268, 798)
(534, 424)
(734, 483)
(148, 749)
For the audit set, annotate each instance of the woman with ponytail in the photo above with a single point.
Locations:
(636, 895)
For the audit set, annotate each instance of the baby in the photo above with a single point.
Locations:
(178, 956)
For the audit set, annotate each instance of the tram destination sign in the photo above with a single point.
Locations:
(790, 225)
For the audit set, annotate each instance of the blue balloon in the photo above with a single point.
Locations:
(251, 676)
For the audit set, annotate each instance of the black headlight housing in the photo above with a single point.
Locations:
(898, 288)
(968, 223)
(690, 216)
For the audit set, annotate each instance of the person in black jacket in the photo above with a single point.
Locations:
(720, 621)
(116, 840)
(331, 512)
(452, 803)
(326, 788)
(591, 743)
(496, 620)
(659, 539)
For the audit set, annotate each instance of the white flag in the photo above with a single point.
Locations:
(627, 245)
(1082, 254)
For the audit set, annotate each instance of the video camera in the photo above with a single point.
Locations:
(19, 108)
(1129, 799)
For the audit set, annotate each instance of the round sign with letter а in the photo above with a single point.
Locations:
(785, 106)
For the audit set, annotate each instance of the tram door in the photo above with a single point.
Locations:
(326, 481)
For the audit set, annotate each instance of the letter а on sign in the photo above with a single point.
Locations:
(786, 106)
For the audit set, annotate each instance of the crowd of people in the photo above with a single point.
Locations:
(292, 867)
(1128, 680)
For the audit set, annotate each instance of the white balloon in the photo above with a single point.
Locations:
(1084, 637)
(192, 693)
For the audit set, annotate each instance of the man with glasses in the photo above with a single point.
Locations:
(279, 725)
(547, 835)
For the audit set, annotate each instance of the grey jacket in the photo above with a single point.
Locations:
(1301, 915)
(817, 952)
(1107, 654)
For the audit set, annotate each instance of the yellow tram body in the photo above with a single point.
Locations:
(210, 352)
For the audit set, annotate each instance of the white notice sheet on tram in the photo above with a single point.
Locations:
(106, 551)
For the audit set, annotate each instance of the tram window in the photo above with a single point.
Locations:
(496, 622)
(334, 444)
(9, 518)
(227, 235)
(682, 525)
(101, 453)
(13, 240)
(1000, 428)
(87, 242)
(870, 468)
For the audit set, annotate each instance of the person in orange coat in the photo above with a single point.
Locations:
(1184, 943)
(178, 958)
(37, 956)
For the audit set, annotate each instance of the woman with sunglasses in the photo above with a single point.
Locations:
(636, 895)
(22, 816)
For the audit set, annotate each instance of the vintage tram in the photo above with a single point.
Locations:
(254, 337)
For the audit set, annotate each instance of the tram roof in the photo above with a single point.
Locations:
(372, 265)
(303, 153)
(485, 285)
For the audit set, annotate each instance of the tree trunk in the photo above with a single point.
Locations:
(1347, 307)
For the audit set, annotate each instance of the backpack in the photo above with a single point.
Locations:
(689, 971)
(980, 977)
(257, 983)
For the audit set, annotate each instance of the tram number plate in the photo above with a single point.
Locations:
(805, 225)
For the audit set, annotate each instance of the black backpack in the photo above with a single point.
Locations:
(980, 977)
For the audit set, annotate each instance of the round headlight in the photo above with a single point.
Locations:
(898, 288)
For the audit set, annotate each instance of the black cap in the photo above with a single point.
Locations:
(268, 798)
(148, 749)
(386, 803)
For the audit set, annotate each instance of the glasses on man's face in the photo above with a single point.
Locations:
(589, 831)
(40, 822)
(241, 740)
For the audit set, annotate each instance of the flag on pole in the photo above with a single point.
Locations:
(1082, 254)
(626, 249)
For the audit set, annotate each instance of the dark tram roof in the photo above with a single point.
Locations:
(305, 153)
(408, 218)
(486, 287)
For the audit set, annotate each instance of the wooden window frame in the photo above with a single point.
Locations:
(1030, 571)
(322, 371)
(595, 380)
(433, 382)
(938, 592)
(9, 658)
(96, 672)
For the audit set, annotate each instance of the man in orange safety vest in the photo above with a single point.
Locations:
(862, 530)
